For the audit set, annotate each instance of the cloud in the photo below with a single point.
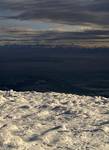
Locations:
(70, 11)
(34, 20)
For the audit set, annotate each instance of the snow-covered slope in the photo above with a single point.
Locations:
(53, 121)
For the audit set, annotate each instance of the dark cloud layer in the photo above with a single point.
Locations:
(66, 11)
(54, 20)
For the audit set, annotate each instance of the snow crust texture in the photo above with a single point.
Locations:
(53, 121)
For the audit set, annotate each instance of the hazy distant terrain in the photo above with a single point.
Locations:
(68, 69)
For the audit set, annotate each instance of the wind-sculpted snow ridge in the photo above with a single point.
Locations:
(53, 121)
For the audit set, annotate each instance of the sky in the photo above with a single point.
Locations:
(24, 21)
